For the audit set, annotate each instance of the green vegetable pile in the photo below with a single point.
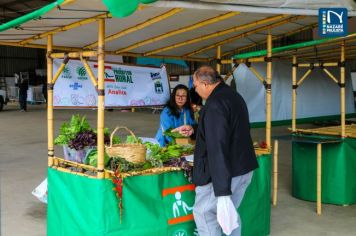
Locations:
(173, 135)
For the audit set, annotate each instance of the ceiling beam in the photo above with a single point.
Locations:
(246, 34)
(216, 34)
(66, 27)
(137, 27)
(237, 50)
(179, 31)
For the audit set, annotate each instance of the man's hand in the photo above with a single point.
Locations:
(185, 130)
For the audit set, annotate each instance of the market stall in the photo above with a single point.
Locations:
(84, 201)
(323, 157)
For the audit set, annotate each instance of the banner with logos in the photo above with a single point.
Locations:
(125, 85)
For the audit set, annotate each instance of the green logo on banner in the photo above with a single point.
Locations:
(180, 232)
(81, 73)
(66, 73)
(124, 76)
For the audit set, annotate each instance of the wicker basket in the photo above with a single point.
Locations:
(135, 152)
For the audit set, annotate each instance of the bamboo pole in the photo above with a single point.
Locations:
(90, 72)
(327, 52)
(101, 97)
(218, 57)
(254, 59)
(231, 72)
(318, 180)
(294, 94)
(268, 91)
(246, 34)
(275, 173)
(65, 28)
(137, 27)
(330, 75)
(60, 69)
(178, 31)
(216, 34)
(304, 77)
(50, 124)
(74, 54)
(255, 72)
(274, 38)
(329, 64)
(342, 88)
(163, 56)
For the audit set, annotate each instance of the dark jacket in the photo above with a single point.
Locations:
(224, 147)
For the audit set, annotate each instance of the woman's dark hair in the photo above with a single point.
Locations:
(172, 105)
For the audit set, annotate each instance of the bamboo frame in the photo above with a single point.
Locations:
(137, 27)
(342, 89)
(74, 55)
(101, 97)
(254, 59)
(218, 57)
(329, 64)
(304, 77)
(331, 130)
(255, 72)
(178, 31)
(318, 180)
(331, 76)
(235, 51)
(90, 72)
(50, 123)
(275, 173)
(65, 28)
(245, 34)
(230, 72)
(294, 95)
(269, 92)
(327, 52)
(162, 56)
(216, 34)
(60, 70)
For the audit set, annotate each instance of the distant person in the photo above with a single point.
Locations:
(22, 84)
(177, 112)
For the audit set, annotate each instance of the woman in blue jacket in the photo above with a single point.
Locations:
(177, 112)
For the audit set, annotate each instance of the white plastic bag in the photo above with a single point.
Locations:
(40, 192)
(226, 214)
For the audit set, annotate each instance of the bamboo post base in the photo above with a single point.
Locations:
(318, 180)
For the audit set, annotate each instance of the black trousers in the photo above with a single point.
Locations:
(23, 101)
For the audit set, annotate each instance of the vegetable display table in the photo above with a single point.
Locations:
(155, 204)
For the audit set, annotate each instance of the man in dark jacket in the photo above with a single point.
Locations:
(22, 84)
(224, 157)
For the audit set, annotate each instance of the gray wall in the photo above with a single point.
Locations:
(17, 59)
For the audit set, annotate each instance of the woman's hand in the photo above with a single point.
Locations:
(185, 130)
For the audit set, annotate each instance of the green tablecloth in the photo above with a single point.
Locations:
(338, 170)
(84, 206)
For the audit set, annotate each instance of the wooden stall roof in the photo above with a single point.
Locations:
(156, 30)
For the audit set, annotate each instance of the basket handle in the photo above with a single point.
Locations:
(121, 127)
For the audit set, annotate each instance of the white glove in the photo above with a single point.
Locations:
(226, 214)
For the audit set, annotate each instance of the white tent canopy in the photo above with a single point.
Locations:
(317, 96)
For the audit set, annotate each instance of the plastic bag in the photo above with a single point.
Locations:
(226, 214)
(40, 192)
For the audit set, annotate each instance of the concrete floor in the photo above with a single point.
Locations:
(23, 150)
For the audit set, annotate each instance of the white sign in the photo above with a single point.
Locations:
(124, 85)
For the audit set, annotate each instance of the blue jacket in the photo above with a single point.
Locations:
(168, 120)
